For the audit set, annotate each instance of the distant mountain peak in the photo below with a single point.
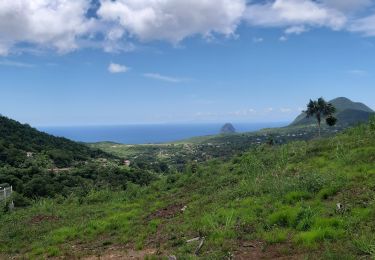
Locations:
(341, 99)
(347, 111)
(228, 128)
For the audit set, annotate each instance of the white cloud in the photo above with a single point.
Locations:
(10, 63)
(285, 110)
(117, 68)
(243, 113)
(173, 20)
(365, 26)
(283, 38)
(357, 72)
(63, 25)
(348, 5)
(281, 13)
(46, 23)
(297, 29)
(157, 76)
(258, 40)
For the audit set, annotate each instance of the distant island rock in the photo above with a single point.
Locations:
(228, 128)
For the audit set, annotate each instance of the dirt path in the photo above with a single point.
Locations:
(116, 254)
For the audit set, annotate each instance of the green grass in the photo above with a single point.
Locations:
(280, 196)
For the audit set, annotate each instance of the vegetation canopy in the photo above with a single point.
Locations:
(320, 109)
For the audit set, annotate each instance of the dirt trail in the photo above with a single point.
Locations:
(118, 254)
(258, 250)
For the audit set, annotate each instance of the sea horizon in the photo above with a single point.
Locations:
(148, 133)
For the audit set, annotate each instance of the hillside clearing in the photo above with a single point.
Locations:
(271, 202)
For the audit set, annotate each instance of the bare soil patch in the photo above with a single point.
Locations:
(166, 213)
(116, 254)
(38, 219)
(260, 250)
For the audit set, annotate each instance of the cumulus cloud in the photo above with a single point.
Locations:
(365, 26)
(297, 29)
(117, 25)
(281, 13)
(117, 68)
(47, 23)
(173, 20)
(348, 5)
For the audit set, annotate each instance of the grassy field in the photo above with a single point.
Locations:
(272, 201)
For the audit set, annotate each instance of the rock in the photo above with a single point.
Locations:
(228, 128)
(193, 239)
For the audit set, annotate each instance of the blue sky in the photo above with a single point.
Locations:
(253, 62)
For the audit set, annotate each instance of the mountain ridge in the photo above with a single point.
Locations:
(347, 113)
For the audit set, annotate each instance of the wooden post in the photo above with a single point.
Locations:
(11, 206)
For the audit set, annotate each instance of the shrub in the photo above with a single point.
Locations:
(20, 200)
(325, 193)
(312, 237)
(276, 236)
(295, 196)
(285, 217)
(365, 245)
(300, 218)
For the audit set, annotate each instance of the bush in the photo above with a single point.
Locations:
(365, 245)
(312, 237)
(295, 196)
(20, 200)
(276, 236)
(300, 218)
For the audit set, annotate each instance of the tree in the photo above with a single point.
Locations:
(320, 109)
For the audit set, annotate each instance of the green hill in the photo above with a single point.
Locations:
(348, 113)
(17, 141)
(302, 200)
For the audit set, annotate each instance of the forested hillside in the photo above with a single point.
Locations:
(40, 165)
(20, 141)
(302, 200)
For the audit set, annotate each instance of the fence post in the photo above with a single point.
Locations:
(11, 206)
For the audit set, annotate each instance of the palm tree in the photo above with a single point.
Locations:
(321, 110)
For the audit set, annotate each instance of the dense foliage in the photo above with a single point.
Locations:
(17, 140)
(270, 202)
(37, 182)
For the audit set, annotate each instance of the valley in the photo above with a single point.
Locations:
(274, 193)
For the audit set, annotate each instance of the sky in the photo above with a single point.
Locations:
(105, 62)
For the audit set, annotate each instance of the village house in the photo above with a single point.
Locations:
(127, 163)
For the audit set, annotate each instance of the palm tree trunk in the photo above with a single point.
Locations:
(319, 119)
(319, 129)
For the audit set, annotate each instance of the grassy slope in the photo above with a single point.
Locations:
(270, 202)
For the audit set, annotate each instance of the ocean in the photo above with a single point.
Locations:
(147, 134)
